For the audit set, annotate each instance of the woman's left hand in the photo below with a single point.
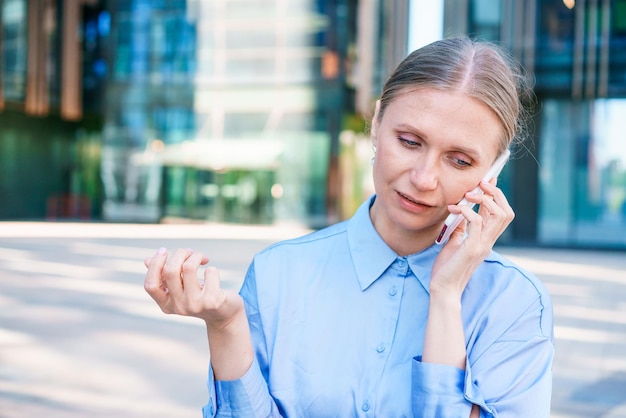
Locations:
(460, 256)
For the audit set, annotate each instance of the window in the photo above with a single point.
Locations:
(582, 178)
(14, 49)
(486, 17)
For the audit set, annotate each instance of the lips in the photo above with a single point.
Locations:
(410, 199)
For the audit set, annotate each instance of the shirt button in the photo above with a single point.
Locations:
(401, 262)
(380, 348)
(365, 406)
(393, 291)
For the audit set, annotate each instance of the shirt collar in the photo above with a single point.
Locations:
(372, 256)
(421, 264)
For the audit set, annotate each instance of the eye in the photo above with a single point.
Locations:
(461, 162)
(409, 141)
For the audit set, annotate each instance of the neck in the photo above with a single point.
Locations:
(404, 241)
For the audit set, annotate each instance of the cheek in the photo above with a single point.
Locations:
(389, 167)
(385, 172)
(382, 166)
(455, 187)
(391, 160)
(379, 172)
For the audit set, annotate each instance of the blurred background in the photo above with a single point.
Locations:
(225, 125)
(255, 111)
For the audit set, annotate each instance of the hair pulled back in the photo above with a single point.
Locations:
(480, 69)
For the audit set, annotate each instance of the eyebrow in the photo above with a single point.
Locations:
(472, 152)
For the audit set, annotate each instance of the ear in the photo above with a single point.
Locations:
(374, 128)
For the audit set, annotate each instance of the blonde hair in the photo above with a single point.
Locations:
(482, 70)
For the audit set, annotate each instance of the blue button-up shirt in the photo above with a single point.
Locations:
(338, 318)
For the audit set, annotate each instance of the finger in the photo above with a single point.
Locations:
(458, 235)
(191, 282)
(172, 272)
(501, 200)
(495, 219)
(490, 189)
(493, 216)
(498, 197)
(153, 283)
(467, 213)
(486, 199)
(212, 280)
(488, 207)
(473, 221)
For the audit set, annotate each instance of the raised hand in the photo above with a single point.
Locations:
(175, 286)
(472, 241)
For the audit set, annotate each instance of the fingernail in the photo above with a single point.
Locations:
(161, 251)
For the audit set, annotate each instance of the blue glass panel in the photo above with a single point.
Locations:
(14, 49)
(582, 186)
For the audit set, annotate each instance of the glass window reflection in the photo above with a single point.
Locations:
(583, 173)
(14, 49)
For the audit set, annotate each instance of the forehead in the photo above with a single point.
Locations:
(450, 118)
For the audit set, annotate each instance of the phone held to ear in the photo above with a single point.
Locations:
(453, 220)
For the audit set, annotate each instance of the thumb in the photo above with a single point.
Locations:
(153, 283)
(458, 235)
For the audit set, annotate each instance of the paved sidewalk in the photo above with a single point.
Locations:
(80, 338)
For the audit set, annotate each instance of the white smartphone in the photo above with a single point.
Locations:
(453, 220)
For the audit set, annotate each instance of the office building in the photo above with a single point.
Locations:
(226, 110)
(52, 73)
(236, 110)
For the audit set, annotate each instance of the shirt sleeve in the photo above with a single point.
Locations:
(438, 391)
(507, 374)
(515, 382)
(249, 396)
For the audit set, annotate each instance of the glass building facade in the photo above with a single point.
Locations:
(568, 186)
(14, 49)
(211, 110)
(224, 110)
(253, 110)
(49, 141)
(581, 80)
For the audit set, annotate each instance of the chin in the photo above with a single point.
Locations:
(429, 227)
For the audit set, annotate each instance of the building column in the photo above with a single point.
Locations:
(40, 23)
(71, 67)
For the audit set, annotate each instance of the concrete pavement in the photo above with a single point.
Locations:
(80, 338)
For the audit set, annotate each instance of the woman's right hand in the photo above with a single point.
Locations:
(174, 284)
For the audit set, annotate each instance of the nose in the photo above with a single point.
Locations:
(425, 174)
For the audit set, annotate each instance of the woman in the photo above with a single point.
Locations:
(369, 317)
